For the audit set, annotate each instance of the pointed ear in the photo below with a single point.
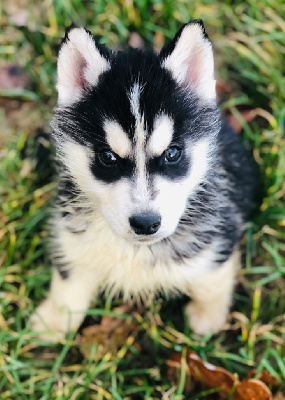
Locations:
(81, 60)
(189, 58)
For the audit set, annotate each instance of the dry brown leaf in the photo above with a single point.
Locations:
(108, 336)
(264, 376)
(216, 377)
(211, 375)
(252, 389)
(206, 373)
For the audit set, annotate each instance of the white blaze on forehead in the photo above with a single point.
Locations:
(139, 140)
(139, 136)
(162, 135)
(134, 97)
(117, 138)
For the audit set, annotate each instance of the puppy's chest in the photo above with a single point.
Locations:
(119, 266)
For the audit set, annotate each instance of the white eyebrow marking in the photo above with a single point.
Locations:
(117, 138)
(162, 135)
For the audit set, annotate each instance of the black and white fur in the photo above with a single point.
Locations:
(130, 216)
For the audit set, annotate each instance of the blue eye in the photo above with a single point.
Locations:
(107, 158)
(172, 154)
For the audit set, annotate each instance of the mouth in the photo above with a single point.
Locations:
(145, 240)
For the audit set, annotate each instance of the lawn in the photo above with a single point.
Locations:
(130, 358)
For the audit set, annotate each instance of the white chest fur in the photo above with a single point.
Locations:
(112, 263)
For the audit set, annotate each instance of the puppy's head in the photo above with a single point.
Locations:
(136, 130)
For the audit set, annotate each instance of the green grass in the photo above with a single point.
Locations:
(249, 43)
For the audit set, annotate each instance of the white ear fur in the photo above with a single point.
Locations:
(191, 62)
(79, 66)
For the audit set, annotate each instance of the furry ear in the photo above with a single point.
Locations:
(80, 62)
(189, 58)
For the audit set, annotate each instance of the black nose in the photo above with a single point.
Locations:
(146, 223)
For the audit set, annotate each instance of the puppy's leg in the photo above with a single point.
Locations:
(211, 297)
(65, 306)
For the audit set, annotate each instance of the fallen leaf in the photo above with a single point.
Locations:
(265, 376)
(213, 377)
(207, 374)
(108, 336)
(252, 389)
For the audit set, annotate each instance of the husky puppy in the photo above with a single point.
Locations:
(154, 189)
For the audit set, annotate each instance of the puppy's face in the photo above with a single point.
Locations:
(135, 130)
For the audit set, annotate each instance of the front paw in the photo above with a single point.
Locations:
(205, 320)
(50, 322)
